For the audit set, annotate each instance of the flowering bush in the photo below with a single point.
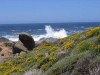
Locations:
(96, 50)
(1, 66)
(15, 69)
(38, 57)
(92, 32)
(75, 37)
(84, 45)
(69, 45)
(53, 50)
(98, 39)
(9, 63)
(46, 66)
(61, 41)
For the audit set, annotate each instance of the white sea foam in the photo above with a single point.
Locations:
(12, 37)
(50, 33)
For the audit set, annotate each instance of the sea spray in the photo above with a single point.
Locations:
(39, 31)
(51, 33)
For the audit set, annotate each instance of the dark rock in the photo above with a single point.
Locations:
(18, 47)
(0, 49)
(25, 43)
(2, 39)
(2, 54)
(27, 40)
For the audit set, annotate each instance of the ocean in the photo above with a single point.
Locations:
(45, 30)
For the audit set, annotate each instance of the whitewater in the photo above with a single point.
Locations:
(50, 33)
(45, 30)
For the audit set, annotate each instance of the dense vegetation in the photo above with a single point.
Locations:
(78, 54)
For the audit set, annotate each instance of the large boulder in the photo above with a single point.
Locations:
(27, 40)
(25, 43)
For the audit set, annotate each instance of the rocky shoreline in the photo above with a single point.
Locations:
(23, 45)
(11, 48)
(78, 54)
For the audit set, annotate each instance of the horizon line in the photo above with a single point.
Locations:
(47, 22)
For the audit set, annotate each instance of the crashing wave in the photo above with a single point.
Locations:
(50, 33)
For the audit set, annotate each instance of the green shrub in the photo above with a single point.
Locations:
(84, 46)
(98, 39)
(45, 56)
(53, 50)
(46, 66)
(68, 46)
(93, 32)
(94, 66)
(61, 41)
(76, 37)
(96, 50)
(64, 65)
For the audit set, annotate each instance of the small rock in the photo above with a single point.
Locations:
(2, 54)
(61, 54)
(46, 54)
(22, 52)
(83, 36)
(51, 40)
(18, 47)
(17, 54)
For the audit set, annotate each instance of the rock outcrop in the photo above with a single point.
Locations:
(25, 43)
(5, 52)
(27, 40)
(2, 39)
(19, 47)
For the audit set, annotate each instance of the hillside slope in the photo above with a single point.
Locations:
(78, 54)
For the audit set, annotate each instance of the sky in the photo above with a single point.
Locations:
(49, 11)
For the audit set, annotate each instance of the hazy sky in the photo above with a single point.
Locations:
(41, 11)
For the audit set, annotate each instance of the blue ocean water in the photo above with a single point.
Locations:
(45, 30)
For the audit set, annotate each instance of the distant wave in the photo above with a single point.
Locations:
(11, 37)
(50, 33)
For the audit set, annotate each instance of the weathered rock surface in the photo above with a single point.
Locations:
(5, 52)
(8, 48)
(25, 43)
(2, 39)
(19, 47)
(61, 54)
(27, 40)
(51, 40)
(83, 36)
